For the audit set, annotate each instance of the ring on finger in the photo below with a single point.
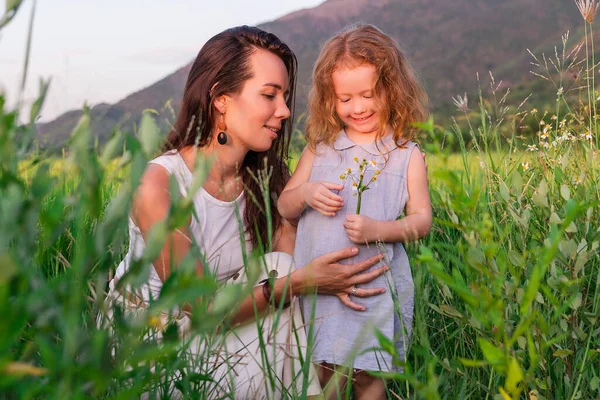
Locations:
(353, 291)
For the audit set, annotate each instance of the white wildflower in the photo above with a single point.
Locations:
(588, 9)
(461, 103)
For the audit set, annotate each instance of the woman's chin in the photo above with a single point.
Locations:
(262, 147)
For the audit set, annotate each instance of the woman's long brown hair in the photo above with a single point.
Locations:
(221, 68)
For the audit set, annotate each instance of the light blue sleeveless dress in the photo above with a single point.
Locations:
(343, 336)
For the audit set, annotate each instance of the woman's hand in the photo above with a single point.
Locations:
(319, 196)
(328, 276)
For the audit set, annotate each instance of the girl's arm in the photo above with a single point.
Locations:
(417, 222)
(299, 192)
(291, 201)
(415, 225)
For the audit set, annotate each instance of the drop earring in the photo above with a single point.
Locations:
(222, 136)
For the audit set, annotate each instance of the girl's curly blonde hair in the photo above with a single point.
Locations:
(398, 92)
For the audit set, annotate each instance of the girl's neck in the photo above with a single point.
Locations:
(364, 138)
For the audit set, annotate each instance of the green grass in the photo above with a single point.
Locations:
(507, 283)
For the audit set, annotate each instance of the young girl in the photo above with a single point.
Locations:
(364, 99)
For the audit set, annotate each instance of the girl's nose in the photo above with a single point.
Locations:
(359, 107)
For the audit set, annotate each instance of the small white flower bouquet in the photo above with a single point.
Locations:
(358, 177)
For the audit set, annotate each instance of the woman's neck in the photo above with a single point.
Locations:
(227, 160)
(223, 179)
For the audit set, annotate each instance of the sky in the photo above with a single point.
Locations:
(99, 51)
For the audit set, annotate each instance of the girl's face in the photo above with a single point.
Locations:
(355, 100)
(255, 115)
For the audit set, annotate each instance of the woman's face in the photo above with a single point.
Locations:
(255, 115)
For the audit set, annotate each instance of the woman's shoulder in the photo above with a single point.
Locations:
(169, 160)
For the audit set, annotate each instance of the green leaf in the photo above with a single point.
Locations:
(155, 241)
(558, 175)
(386, 343)
(491, 353)
(539, 298)
(532, 289)
(540, 197)
(517, 182)
(516, 258)
(504, 192)
(572, 228)
(37, 105)
(8, 270)
(449, 310)
(576, 302)
(226, 298)
(514, 376)
(582, 259)
(149, 135)
(472, 363)
(475, 256)
(111, 149)
(568, 248)
(562, 353)
(565, 192)
(555, 219)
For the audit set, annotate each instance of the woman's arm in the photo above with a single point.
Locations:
(285, 237)
(324, 275)
(150, 206)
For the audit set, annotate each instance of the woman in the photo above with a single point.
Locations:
(236, 110)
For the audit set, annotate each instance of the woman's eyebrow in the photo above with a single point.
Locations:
(275, 85)
(278, 87)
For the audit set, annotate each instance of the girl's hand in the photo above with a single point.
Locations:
(318, 195)
(327, 276)
(361, 229)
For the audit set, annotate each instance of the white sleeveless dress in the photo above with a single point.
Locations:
(215, 229)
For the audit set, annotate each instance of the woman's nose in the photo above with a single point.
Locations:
(283, 111)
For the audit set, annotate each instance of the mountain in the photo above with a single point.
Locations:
(449, 42)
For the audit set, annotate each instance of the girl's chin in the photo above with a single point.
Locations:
(361, 130)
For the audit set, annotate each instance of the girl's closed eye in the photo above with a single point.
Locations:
(269, 96)
(344, 100)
